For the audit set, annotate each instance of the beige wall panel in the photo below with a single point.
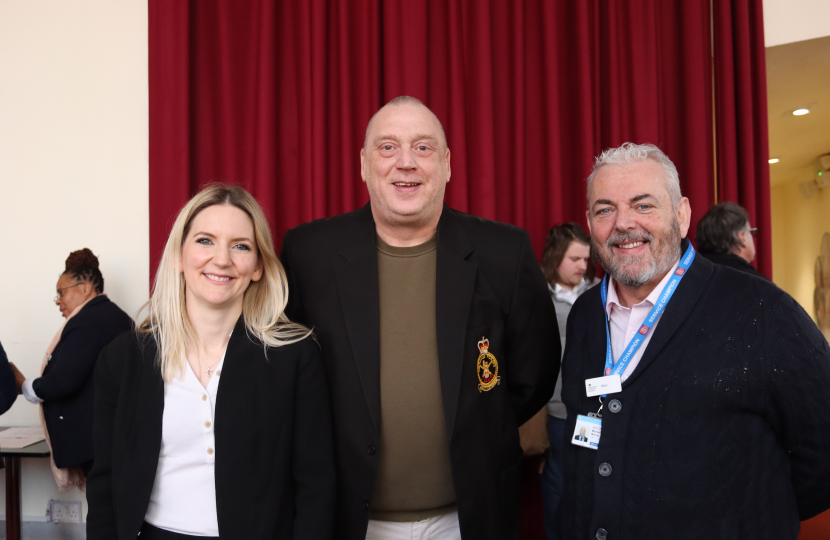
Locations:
(74, 173)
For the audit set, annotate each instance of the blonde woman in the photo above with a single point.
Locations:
(212, 420)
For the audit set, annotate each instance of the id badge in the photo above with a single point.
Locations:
(587, 431)
(603, 385)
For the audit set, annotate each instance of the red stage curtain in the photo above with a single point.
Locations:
(741, 111)
(275, 96)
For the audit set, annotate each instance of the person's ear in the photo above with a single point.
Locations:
(742, 238)
(684, 216)
(363, 164)
(260, 268)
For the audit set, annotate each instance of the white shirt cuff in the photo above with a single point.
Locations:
(29, 392)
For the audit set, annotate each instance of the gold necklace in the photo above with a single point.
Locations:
(209, 371)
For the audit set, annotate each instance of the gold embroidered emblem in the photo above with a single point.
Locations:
(487, 367)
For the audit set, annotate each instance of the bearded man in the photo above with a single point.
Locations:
(709, 392)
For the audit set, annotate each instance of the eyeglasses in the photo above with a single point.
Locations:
(61, 291)
(753, 231)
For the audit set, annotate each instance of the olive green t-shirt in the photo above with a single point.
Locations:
(414, 480)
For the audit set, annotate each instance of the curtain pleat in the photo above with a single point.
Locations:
(741, 110)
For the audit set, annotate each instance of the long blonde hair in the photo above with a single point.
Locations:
(264, 301)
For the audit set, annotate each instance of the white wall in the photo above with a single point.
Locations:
(74, 173)
(788, 21)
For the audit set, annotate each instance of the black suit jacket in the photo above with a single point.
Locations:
(8, 386)
(274, 465)
(722, 430)
(67, 388)
(733, 261)
(489, 284)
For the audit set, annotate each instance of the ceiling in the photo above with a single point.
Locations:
(798, 75)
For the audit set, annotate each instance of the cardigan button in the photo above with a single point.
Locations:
(602, 534)
(365, 505)
(605, 469)
(614, 406)
(371, 449)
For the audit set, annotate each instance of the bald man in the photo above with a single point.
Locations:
(435, 331)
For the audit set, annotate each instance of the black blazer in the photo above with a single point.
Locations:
(67, 388)
(274, 464)
(733, 261)
(8, 386)
(723, 429)
(488, 284)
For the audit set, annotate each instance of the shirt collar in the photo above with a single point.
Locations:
(569, 295)
(559, 289)
(614, 300)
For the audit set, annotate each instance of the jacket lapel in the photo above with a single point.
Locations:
(145, 436)
(454, 285)
(235, 373)
(678, 309)
(594, 364)
(356, 274)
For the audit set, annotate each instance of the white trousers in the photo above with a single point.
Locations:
(435, 528)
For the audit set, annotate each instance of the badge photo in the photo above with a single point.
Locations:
(587, 431)
(487, 367)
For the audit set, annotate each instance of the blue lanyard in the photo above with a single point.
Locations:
(654, 314)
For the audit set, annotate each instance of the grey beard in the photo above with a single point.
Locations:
(664, 258)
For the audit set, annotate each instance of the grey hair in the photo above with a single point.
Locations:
(630, 153)
(404, 100)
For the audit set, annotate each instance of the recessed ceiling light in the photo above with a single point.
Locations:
(801, 112)
(773, 160)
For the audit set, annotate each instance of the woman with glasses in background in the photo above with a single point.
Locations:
(65, 388)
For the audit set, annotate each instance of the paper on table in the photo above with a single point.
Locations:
(22, 433)
(21, 442)
(21, 437)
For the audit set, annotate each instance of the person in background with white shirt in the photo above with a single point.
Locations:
(566, 263)
(212, 420)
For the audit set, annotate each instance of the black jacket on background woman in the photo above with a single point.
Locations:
(66, 386)
(8, 387)
(274, 452)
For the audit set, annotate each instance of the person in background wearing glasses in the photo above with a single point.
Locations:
(65, 388)
(725, 237)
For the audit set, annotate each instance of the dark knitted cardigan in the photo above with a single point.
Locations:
(724, 427)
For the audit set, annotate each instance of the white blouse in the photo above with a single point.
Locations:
(184, 494)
